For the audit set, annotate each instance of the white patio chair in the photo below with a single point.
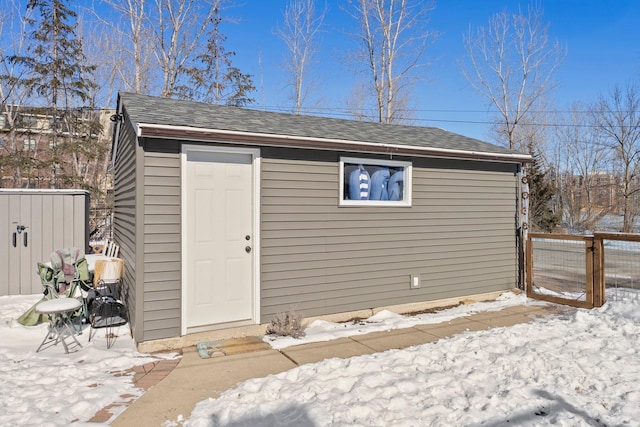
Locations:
(111, 249)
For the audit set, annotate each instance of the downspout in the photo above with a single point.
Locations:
(522, 231)
(117, 120)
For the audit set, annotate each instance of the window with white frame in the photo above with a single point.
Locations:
(29, 144)
(27, 121)
(374, 182)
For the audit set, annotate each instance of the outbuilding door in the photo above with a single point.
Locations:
(219, 238)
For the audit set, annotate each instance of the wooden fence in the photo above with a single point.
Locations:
(571, 270)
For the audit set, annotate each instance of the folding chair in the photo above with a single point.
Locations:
(59, 312)
(105, 309)
(71, 279)
(59, 309)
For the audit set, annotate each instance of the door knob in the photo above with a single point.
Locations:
(247, 249)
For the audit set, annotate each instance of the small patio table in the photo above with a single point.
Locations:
(59, 312)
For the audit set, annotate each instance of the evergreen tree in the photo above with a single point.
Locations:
(241, 85)
(55, 63)
(541, 192)
(215, 79)
(56, 75)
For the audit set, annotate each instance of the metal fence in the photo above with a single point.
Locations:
(100, 224)
(621, 264)
(581, 270)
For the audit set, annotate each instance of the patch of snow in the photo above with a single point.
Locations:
(53, 388)
(572, 369)
(320, 330)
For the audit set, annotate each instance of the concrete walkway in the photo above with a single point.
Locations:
(195, 379)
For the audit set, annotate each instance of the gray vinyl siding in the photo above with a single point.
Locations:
(162, 248)
(124, 224)
(318, 258)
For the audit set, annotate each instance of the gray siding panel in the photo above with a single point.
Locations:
(162, 249)
(319, 258)
(124, 226)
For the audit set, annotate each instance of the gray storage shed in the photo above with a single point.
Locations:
(228, 216)
(34, 223)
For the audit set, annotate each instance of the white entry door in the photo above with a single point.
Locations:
(219, 241)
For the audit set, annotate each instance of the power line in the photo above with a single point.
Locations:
(338, 112)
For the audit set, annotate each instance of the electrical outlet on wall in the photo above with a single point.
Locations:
(415, 282)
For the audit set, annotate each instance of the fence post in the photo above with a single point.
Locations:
(528, 255)
(598, 271)
(589, 258)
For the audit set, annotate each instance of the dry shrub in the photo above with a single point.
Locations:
(286, 325)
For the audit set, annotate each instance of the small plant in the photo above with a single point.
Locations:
(286, 325)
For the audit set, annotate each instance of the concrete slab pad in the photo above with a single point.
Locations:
(486, 315)
(226, 347)
(395, 339)
(316, 352)
(195, 379)
(453, 327)
(506, 320)
(533, 310)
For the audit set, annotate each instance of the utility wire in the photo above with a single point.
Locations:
(345, 113)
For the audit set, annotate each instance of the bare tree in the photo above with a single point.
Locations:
(356, 102)
(133, 60)
(15, 162)
(393, 37)
(617, 117)
(581, 173)
(511, 62)
(165, 40)
(178, 29)
(13, 33)
(302, 22)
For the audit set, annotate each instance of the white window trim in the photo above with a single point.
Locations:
(408, 174)
(29, 144)
(257, 160)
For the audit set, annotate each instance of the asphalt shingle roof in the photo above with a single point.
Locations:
(166, 111)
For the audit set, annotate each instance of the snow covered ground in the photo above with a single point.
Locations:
(51, 388)
(579, 369)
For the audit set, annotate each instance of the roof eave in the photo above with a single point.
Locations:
(254, 138)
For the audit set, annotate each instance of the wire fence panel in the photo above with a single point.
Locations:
(558, 268)
(582, 271)
(621, 267)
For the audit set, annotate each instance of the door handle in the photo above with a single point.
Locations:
(15, 239)
(24, 241)
(247, 249)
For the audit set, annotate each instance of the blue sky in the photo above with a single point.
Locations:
(602, 39)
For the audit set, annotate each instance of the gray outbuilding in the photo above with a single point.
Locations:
(227, 216)
(33, 224)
